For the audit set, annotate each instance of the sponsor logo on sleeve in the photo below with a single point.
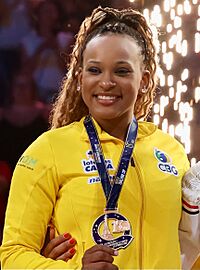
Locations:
(27, 162)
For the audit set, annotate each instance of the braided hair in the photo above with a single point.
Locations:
(69, 106)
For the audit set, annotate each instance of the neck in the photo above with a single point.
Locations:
(115, 127)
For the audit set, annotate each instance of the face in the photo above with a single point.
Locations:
(111, 77)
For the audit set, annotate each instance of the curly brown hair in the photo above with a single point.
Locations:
(69, 106)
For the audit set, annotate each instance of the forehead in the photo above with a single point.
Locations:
(112, 46)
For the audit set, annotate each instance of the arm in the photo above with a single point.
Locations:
(189, 228)
(31, 202)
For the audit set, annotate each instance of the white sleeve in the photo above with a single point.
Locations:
(189, 227)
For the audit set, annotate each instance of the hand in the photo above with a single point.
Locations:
(60, 247)
(99, 257)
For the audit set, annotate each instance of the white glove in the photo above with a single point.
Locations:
(191, 184)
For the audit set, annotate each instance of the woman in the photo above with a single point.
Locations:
(112, 181)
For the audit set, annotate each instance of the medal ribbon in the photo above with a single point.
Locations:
(111, 192)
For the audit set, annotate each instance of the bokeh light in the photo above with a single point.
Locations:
(179, 81)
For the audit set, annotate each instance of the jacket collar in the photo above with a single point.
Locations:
(145, 129)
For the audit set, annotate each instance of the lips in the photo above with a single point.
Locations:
(107, 99)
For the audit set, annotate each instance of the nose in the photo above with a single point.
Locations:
(107, 85)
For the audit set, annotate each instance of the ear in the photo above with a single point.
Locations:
(80, 73)
(144, 83)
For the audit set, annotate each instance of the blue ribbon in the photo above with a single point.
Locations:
(111, 192)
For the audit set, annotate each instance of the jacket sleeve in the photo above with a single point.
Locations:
(189, 228)
(31, 201)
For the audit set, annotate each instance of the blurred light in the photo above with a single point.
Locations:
(184, 48)
(166, 5)
(179, 85)
(197, 94)
(146, 14)
(197, 43)
(172, 14)
(157, 8)
(156, 17)
(173, 3)
(171, 130)
(187, 7)
(164, 101)
(131, 1)
(198, 24)
(164, 47)
(179, 35)
(193, 161)
(165, 125)
(183, 87)
(180, 9)
(169, 61)
(185, 136)
(170, 80)
(156, 108)
(179, 129)
(171, 92)
(178, 96)
(177, 22)
(169, 27)
(176, 106)
(185, 74)
(156, 119)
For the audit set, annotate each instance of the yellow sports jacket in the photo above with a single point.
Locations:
(56, 178)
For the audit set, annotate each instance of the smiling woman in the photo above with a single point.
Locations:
(102, 174)
(110, 85)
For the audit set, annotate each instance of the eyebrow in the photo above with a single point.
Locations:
(118, 62)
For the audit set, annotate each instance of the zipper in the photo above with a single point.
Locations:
(139, 174)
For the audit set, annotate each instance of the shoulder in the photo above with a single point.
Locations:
(158, 138)
(149, 129)
(70, 132)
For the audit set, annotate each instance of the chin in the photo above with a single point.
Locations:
(105, 115)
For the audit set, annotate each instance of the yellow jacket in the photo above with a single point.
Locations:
(56, 177)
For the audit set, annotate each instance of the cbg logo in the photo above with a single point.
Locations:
(165, 163)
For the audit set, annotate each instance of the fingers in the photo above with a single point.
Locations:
(99, 257)
(62, 247)
(51, 232)
(58, 245)
(102, 248)
(67, 255)
(100, 266)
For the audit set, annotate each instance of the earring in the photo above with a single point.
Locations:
(144, 90)
(78, 88)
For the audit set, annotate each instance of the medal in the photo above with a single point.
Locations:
(112, 228)
(119, 236)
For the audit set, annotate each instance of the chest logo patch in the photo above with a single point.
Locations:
(165, 162)
(89, 165)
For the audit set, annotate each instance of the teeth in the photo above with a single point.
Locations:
(106, 97)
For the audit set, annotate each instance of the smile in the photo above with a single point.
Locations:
(107, 97)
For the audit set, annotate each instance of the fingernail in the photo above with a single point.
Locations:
(66, 235)
(72, 251)
(72, 241)
(116, 252)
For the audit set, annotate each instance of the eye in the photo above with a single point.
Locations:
(123, 71)
(94, 70)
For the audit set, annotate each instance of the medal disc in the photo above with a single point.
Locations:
(113, 230)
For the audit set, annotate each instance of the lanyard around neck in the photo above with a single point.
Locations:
(111, 192)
